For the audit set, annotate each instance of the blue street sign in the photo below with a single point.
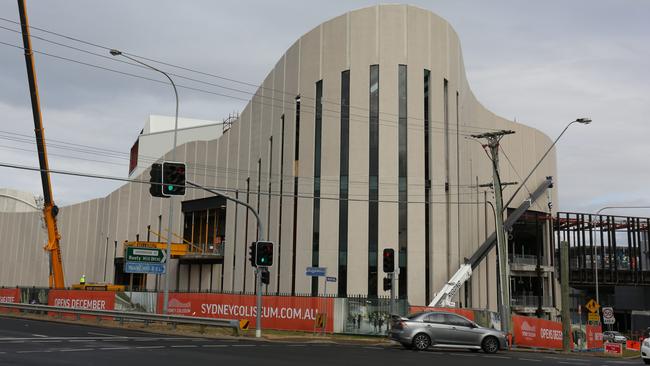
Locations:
(316, 271)
(330, 279)
(143, 267)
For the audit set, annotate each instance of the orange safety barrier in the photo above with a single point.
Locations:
(9, 295)
(80, 299)
(278, 312)
(467, 313)
(594, 336)
(538, 333)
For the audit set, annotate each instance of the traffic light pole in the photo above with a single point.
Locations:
(258, 270)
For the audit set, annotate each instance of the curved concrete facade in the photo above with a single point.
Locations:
(388, 179)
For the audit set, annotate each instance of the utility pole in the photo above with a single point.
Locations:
(493, 139)
(564, 277)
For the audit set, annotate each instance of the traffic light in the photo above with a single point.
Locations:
(173, 178)
(388, 284)
(251, 253)
(389, 260)
(155, 178)
(266, 277)
(264, 253)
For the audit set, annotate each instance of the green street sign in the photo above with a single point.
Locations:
(145, 255)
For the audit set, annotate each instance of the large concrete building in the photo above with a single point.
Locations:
(357, 140)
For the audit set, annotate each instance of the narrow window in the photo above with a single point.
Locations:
(248, 195)
(280, 204)
(427, 186)
(403, 182)
(318, 129)
(296, 159)
(447, 191)
(343, 187)
(268, 208)
(373, 184)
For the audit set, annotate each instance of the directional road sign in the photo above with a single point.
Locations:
(316, 271)
(145, 255)
(143, 267)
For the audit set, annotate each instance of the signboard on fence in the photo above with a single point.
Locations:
(278, 312)
(614, 348)
(80, 299)
(534, 332)
(9, 295)
(594, 336)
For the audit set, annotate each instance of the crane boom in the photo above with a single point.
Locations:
(50, 210)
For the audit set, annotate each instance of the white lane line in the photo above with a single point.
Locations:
(149, 347)
(113, 348)
(215, 345)
(490, 356)
(40, 335)
(106, 334)
(530, 359)
(75, 349)
(35, 351)
(82, 340)
(16, 342)
(184, 346)
(48, 341)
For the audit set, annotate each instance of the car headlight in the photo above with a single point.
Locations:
(646, 342)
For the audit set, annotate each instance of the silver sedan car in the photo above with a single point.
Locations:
(440, 329)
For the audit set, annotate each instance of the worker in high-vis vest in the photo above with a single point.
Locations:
(82, 280)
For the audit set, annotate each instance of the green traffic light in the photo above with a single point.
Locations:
(169, 188)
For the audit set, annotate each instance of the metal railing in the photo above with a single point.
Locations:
(121, 316)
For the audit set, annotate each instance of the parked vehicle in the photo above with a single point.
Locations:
(441, 329)
(645, 351)
(613, 336)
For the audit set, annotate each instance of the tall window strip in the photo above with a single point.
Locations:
(343, 185)
(447, 188)
(268, 202)
(277, 289)
(234, 240)
(373, 184)
(296, 160)
(403, 182)
(468, 284)
(427, 184)
(318, 129)
(248, 196)
(259, 191)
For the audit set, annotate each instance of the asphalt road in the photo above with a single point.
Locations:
(31, 342)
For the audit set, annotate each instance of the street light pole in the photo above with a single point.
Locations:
(584, 121)
(171, 198)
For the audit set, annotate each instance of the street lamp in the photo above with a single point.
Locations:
(115, 52)
(584, 121)
(594, 251)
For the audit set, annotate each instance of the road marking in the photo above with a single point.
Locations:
(215, 345)
(184, 346)
(105, 334)
(252, 345)
(82, 340)
(530, 359)
(48, 341)
(35, 351)
(39, 335)
(490, 356)
(75, 349)
(113, 348)
(17, 342)
(149, 347)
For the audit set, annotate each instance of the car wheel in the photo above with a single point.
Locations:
(490, 345)
(421, 342)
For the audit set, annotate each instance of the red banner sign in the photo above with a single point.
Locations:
(467, 313)
(9, 295)
(278, 312)
(534, 332)
(633, 345)
(80, 299)
(614, 348)
(594, 336)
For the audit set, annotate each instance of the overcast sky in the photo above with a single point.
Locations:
(544, 63)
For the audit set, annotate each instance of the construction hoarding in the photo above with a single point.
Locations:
(9, 295)
(80, 299)
(278, 312)
(537, 333)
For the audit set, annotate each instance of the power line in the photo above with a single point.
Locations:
(223, 189)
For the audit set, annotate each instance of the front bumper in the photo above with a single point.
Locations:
(645, 351)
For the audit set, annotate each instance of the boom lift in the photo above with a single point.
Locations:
(50, 210)
(445, 296)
